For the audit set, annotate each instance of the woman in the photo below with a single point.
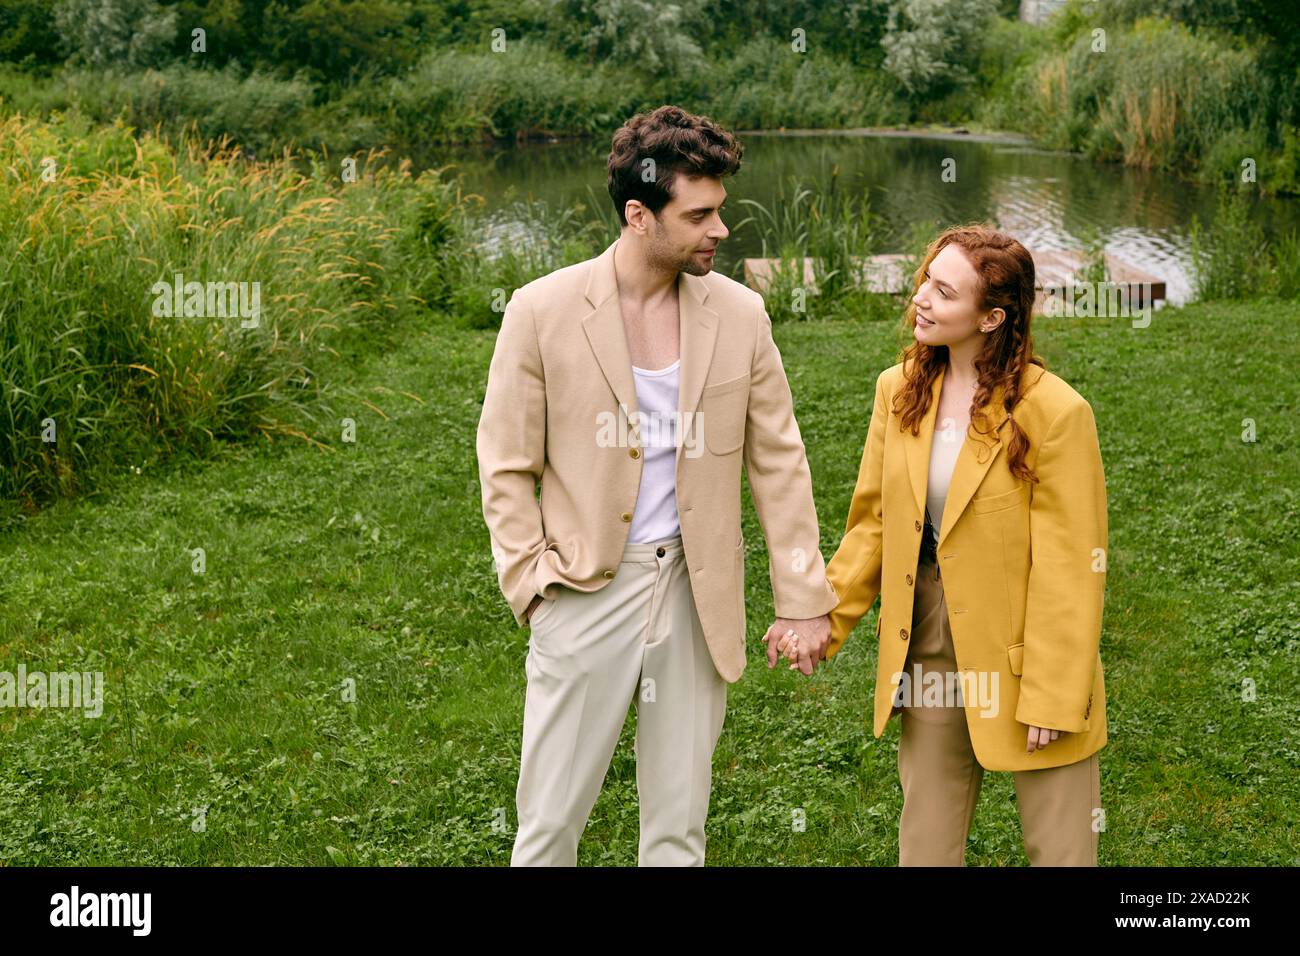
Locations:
(989, 554)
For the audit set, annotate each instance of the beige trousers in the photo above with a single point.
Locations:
(941, 777)
(591, 654)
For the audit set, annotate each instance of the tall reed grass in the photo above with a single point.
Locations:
(520, 242)
(452, 95)
(262, 113)
(1156, 95)
(92, 218)
(833, 227)
(1232, 258)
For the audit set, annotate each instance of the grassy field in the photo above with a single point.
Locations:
(85, 342)
(227, 737)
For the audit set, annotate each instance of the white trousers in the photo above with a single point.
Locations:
(638, 639)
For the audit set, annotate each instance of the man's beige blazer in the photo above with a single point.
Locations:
(561, 408)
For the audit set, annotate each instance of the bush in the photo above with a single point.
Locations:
(766, 85)
(1284, 260)
(258, 111)
(1233, 259)
(87, 344)
(1157, 96)
(27, 33)
(1282, 172)
(931, 45)
(1223, 160)
(1229, 259)
(528, 90)
(655, 36)
(102, 33)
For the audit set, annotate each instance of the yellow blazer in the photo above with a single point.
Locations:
(1023, 564)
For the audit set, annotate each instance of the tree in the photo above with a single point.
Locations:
(656, 36)
(27, 32)
(115, 32)
(931, 44)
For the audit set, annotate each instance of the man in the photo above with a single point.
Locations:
(630, 572)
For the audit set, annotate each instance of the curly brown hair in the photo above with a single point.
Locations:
(1006, 280)
(677, 142)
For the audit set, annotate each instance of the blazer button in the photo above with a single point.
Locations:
(902, 632)
(626, 516)
(609, 574)
(909, 579)
(635, 452)
(918, 525)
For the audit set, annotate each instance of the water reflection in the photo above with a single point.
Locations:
(1048, 200)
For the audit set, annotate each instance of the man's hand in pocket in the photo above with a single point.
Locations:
(528, 614)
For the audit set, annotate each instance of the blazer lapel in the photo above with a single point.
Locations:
(973, 460)
(604, 328)
(697, 336)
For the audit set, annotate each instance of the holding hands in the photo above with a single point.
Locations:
(803, 642)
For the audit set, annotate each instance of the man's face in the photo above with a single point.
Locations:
(682, 237)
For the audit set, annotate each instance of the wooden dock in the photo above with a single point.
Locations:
(1054, 271)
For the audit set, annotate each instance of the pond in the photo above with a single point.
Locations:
(1048, 200)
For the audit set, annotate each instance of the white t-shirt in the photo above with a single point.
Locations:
(944, 448)
(655, 517)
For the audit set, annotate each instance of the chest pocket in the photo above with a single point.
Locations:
(723, 409)
(991, 503)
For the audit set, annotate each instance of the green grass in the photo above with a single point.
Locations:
(370, 563)
(84, 345)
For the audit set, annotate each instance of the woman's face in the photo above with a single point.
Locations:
(946, 312)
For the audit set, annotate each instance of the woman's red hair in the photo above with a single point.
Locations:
(1006, 280)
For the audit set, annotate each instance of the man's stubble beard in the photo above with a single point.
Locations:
(664, 258)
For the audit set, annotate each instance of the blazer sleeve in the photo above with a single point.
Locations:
(1067, 575)
(854, 570)
(511, 446)
(780, 483)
